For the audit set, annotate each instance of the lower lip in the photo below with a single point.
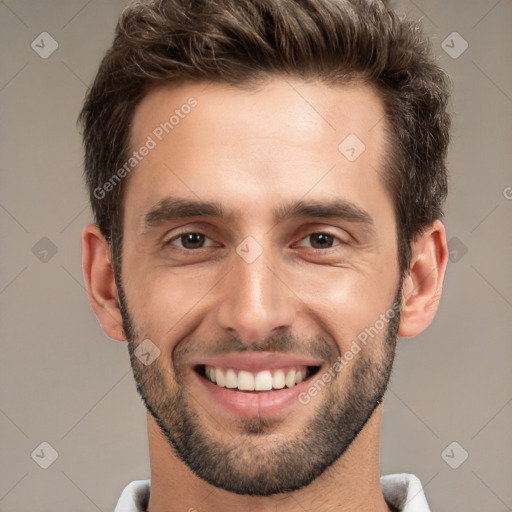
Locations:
(250, 405)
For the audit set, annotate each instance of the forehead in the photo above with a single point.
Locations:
(286, 138)
(282, 108)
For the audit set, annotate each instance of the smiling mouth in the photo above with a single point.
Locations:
(256, 382)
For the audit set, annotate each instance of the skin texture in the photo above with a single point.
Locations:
(252, 151)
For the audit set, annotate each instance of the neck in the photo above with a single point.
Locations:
(352, 483)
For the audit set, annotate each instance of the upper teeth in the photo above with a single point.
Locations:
(261, 381)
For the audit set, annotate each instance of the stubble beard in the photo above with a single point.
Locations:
(259, 461)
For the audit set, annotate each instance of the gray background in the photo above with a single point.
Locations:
(63, 382)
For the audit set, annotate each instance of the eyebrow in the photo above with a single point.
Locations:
(174, 208)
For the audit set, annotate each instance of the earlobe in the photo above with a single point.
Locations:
(423, 284)
(100, 282)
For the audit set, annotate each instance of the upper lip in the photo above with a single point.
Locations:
(257, 362)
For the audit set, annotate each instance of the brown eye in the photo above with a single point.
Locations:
(189, 241)
(319, 241)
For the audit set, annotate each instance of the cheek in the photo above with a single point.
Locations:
(345, 302)
(168, 303)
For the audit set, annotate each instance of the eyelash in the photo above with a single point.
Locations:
(179, 235)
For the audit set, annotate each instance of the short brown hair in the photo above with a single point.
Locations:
(245, 42)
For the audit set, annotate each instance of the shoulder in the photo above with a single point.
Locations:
(404, 493)
(135, 497)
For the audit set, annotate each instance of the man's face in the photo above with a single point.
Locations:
(267, 289)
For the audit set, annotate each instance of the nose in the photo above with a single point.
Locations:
(255, 300)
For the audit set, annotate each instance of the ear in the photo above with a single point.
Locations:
(100, 282)
(423, 284)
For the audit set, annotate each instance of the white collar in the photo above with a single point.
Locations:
(402, 491)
